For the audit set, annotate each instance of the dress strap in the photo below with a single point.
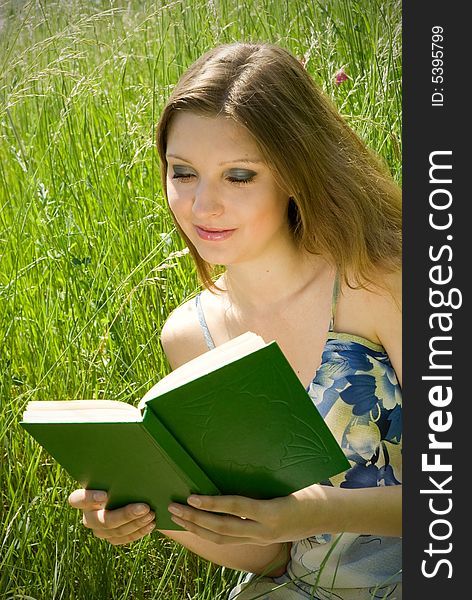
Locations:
(203, 324)
(334, 300)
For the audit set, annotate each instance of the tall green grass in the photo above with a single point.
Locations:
(90, 264)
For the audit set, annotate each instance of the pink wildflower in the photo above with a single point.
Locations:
(340, 76)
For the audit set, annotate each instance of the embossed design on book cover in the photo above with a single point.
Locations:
(288, 449)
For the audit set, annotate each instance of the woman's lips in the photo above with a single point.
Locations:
(211, 234)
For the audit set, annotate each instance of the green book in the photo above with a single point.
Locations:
(235, 420)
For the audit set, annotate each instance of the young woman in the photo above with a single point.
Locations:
(264, 177)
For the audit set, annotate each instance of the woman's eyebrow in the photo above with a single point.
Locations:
(226, 162)
(177, 157)
(240, 160)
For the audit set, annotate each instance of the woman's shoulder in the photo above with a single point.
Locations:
(371, 307)
(386, 307)
(385, 293)
(181, 336)
(381, 289)
(386, 314)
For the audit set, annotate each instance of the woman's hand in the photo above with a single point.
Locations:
(119, 526)
(316, 509)
(248, 521)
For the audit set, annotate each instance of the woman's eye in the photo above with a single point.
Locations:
(182, 174)
(240, 176)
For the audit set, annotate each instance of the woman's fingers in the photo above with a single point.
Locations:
(129, 532)
(113, 519)
(120, 519)
(218, 528)
(238, 506)
(211, 531)
(132, 537)
(118, 526)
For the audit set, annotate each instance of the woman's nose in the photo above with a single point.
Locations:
(206, 201)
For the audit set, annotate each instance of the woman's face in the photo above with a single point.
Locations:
(222, 194)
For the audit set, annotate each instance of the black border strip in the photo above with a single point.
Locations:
(437, 258)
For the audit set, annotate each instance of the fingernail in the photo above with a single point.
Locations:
(194, 501)
(99, 496)
(140, 509)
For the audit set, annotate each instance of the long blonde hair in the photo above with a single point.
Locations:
(344, 204)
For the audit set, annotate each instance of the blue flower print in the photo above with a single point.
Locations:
(387, 388)
(369, 475)
(361, 476)
(361, 393)
(357, 393)
(357, 361)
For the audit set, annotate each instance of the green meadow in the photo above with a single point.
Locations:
(90, 263)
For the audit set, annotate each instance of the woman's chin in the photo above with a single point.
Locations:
(215, 259)
(214, 255)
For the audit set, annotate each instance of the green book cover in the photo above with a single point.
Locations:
(236, 420)
(252, 427)
(134, 461)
